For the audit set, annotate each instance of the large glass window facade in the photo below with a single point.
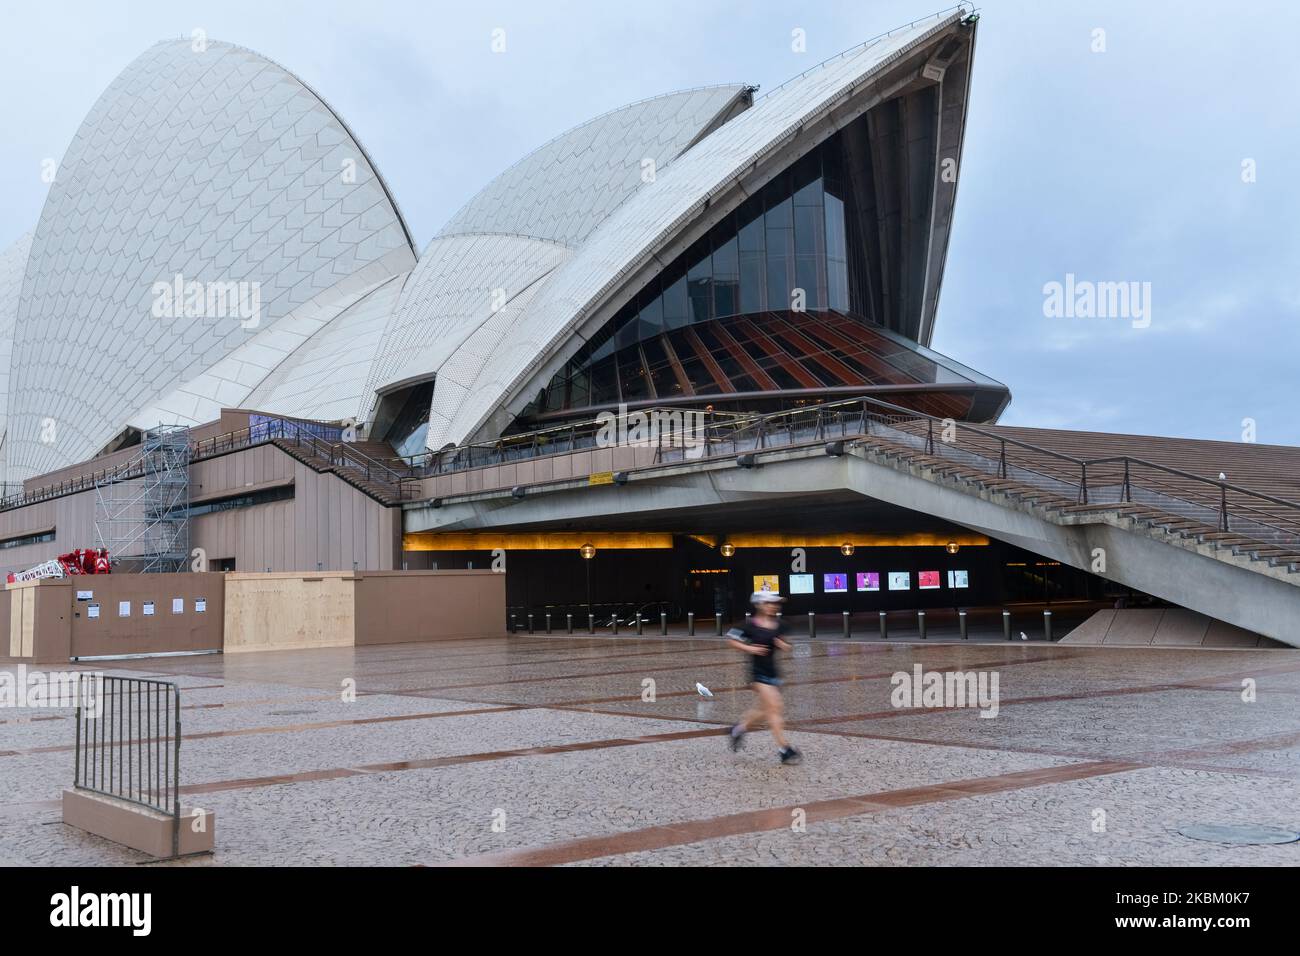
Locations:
(783, 249)
(774, 305)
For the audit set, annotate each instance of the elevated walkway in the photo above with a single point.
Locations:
(1226, 548)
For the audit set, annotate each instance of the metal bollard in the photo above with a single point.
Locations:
(570, 621)
(717, 617)
(884, 627)
(1047, 625)
(591, 624)
(1006, 624)
(638, 624)
(848, 631)
(920, 623)
(961, 622)
(663, 623)
(530, 623)
(812, 626)
(748, 615)
(514, 624)
(614, 625)
(690, 623)
(548, 622)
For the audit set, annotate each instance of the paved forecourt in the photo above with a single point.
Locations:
(557, 750)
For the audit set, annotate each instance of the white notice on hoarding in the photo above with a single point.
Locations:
(148, 608)
(92, 611)
(200, 605)
(85, 595)
(123, 608)
(178, 605)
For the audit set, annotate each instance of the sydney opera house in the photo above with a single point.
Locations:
(220, 258)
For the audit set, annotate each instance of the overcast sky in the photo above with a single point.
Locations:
(1122, 165)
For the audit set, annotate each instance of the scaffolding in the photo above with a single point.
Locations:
(142, 509)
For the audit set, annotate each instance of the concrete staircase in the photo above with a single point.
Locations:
(1060, 506)
(357, 463)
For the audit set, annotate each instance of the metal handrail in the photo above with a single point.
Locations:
(1084, 477)
(237, 440)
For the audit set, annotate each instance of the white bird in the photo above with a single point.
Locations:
(1024, 636)
(702, 690)
(1222, 476)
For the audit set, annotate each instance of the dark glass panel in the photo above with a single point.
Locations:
(600, 346)
(751, 253)
(676, 304)
(807, 180)
(699, 281)
(726, 278)
(778, 228)
(604, 383)
(809, 277)
(580, 388)
(625, 326)
(556, 396)
(650, 321)
(660, 369)
(837, 267)
(750, 220)
(751, 283)
(632, 375)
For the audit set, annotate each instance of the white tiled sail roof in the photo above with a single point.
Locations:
(640, 226)
(459, 283)
(220, 166)
(13, 263)
(565, 189)
(211, 163)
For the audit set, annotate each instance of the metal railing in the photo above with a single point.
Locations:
(1114, 480)
(339, 454)
(128, 745)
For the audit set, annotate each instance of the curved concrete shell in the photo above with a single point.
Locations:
(563, 190)
(715, 175)
(217, 238)
(13, 264)
(203, 168)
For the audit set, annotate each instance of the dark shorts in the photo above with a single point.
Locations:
(766, 679)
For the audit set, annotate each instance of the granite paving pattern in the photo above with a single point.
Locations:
(557, 750)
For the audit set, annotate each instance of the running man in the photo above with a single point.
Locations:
(761, 638)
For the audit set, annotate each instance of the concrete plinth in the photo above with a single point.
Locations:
(138, 827)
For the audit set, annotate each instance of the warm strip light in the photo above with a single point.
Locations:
(544, 541)
(920, 540)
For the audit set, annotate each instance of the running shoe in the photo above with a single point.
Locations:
(737, 739)
(790, 755)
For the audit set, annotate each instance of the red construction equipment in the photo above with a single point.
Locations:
(81, 561)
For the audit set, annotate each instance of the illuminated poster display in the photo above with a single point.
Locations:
(801, 584)
(958, 579)
(900, 580)
(868, 580)
(927, 580)
(771, 583)
(835, 583)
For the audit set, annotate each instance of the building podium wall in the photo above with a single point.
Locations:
(47, 622)
(280, 612)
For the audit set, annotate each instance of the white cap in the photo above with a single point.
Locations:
(765, 597)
